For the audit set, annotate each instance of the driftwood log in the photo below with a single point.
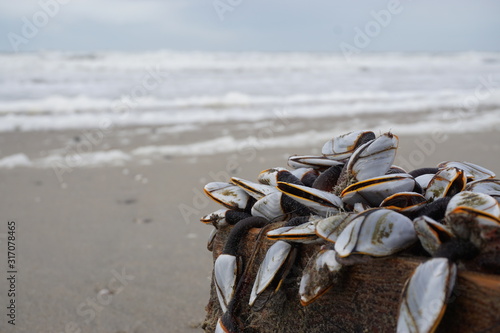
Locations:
(365, 299)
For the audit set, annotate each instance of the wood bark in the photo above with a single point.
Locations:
(366, 297)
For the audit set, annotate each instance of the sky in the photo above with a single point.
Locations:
(250, 25)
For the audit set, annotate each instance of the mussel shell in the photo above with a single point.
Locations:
(488, 186)
(229, 195)
(224, 217)
(360, 207)
(311, 161)
(331, 227)
(404, 201)
(220, 328)
(395, 169)
(303, 233)
(482, 217)
(211, 239)
(342, 146)
(447, 182)
(278, 206)
(374, 191)
(431, 233)
(425, 295)
(256, 190)
(275, 257)
(217, 218)
(348, 238)
(424, 180)
(373, 158)
(472, 171)
(474, 225)
(269, 207)
(321, 202)
(272, 176)
(478, 201)
(376, 232)
(226, 271)
(228, 323)
(318, 276)
(306, 175)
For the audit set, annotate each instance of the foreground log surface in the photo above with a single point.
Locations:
(365, 299)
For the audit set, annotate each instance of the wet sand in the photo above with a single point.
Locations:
(120, 248)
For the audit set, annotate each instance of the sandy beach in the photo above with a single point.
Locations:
(121, 249)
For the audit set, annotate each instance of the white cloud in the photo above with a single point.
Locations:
(13, 9)
(110, 11)
(120, 11)
(255, 25)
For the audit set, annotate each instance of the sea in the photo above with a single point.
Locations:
(182, 92)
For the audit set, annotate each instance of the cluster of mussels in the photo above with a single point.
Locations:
(358, 204)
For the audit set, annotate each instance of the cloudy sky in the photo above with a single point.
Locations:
(250, 25)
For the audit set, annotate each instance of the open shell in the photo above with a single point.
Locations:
(217, 218)
(318, 276)
(474, 225)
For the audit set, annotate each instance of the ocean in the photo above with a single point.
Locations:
(182, 92)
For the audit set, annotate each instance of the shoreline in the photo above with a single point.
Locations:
(142, 221)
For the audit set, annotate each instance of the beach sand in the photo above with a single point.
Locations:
(121, 249)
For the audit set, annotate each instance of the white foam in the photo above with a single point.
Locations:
(175, 60)
(57, 104)
(489, 121)
(16, 160)
(209, 147)
(61, 91)
(189, 118)
(73, 159)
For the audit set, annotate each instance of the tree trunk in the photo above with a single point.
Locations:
(365, 298)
